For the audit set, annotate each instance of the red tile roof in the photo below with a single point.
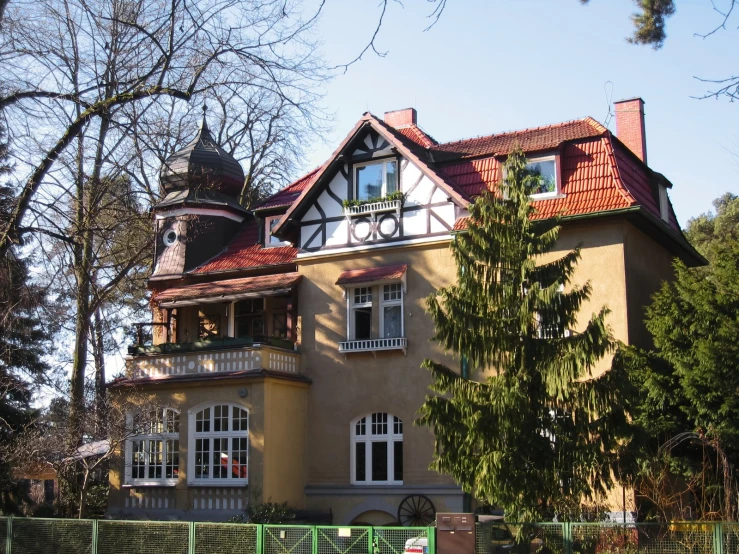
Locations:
(228, 287)
(417, 135)
(529, 140)
(372, 274)
(245, 252)
(289, 194)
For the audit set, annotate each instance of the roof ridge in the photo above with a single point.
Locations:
(616, 172)
(597, 125)
(518, 131)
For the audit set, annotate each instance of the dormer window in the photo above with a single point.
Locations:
(375, 179)
(546, 169)
(269, 224)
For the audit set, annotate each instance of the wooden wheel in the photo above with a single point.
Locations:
(416, 510)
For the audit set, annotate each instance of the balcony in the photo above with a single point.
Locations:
(213, 356)
(373, 345)
(374, 207)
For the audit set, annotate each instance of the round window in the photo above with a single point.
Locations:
(170, 237)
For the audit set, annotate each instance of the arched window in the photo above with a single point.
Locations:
(377, 450)
(153, 453)
(218, 444)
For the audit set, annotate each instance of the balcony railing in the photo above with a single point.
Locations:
(225, 358)
(374, 207)
(373, 345)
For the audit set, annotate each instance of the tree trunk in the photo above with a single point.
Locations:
(98, 353)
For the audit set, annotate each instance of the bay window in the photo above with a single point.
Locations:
(219, 445)
(153, 453)
(377, 450)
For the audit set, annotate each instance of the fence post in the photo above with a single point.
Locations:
(260, 538)
(9, 537)
(431, 536)
(94, 536)
(370, 540)
(567, 536)
(718, 538)
(314, 539)
(191, 539)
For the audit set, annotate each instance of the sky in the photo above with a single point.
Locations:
(490, 66)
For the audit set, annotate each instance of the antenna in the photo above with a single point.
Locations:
(608, 89)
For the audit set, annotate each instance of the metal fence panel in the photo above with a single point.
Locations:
(225, 538)
(391, 540)
(3, 534)
(493, 537)
(284, 539)
(142, 537)
(650, 538)
(42, 536)
(343, 540)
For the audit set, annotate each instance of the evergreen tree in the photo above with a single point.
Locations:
(536, 431)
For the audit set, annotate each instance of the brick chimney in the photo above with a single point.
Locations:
(401, 118)
(630, 126)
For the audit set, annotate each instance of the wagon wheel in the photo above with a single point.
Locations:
(416, 510)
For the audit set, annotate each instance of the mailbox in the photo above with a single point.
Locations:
(455, 533)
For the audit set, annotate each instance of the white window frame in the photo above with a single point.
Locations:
(147, 438)
(391, 437)
(193, 435)
(557, 187)
(540, 333)
(394, 302)
(664, 203)
(351, 306)
(384, 163)
(268, 243)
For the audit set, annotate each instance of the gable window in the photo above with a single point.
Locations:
(546, 169)
(360, 316)
(375, 179)
(377, 450)
(219, 445)
(153, 454)
(269, 224)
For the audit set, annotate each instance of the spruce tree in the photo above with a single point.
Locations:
(535, 433)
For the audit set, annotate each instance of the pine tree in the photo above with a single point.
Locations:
(540, 433)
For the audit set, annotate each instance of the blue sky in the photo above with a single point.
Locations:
(496, 65)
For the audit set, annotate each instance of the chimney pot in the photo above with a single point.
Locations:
(401, 118)
(630, 126)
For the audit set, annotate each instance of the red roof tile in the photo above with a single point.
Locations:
(288, 195)
(372, 274)
(228, 287)
(417, 135)
(529, 140)
(245, 252)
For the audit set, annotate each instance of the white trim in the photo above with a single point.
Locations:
(373, 208)
(192, 436)
(390, 438)
(383, 163)
(268, 232)
(373, 345)
(165, 240)
(353, 249)
(200, 211)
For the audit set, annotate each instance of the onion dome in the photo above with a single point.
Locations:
(202, 164)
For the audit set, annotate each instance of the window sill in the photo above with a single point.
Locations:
(218, 483)
(162, 483)
(363, 484)
(373, 345)
(374, 207)
(547, 196)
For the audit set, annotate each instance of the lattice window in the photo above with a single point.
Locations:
(153, 453)
(377, 450)
(220, 436)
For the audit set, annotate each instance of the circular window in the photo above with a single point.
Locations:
(170, 237)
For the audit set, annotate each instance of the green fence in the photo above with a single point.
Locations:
(72, 536)
(608, 538)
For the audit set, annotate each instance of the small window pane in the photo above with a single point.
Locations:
(202, 421)
(220, 458)
(379, 424)
(397, 426)
(363, 295)
(392, 292)
(391, 170)
(379, 461)
(172, 467)
(369, 182)
(360, 460)
(398, 461)
(360, 427)
(138, 460)
(392, 317)
(156, 459)
(546, 171)
(279, 325)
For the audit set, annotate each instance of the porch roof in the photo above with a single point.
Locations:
(228, 289)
